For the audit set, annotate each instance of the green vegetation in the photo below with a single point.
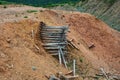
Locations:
(111, 2)
(44, 3)
(25, 16)
(31, 11)
(4, 6)
(81, 59)
(4, 2)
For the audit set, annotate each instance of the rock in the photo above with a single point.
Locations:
(34, 68)
(10, 66)
(8, 40)
(2, 54)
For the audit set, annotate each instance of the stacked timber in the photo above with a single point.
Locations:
(54, 40)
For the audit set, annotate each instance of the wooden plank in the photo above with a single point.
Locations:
(51, 41)
(60, 30)
(104, 73)
(54, 43)
(50, 36)
(51, 47)
(59, 54)
(65, 52)
(52, 33)
(60, 40)
(70, 77)
(54, 47)
(53, 37)
(55, 54)
(62, 54)
(74, 67)
(48, 41)
(56, 27)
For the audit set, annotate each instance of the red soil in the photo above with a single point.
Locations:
(18, 53)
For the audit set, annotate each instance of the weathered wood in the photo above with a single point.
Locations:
(50, 36)
(74, 67)
(52, 30)
(32, 33)
(51, 47)
(59, 39)
(64, 61)
(47, 40)
(72, 44)
(70, 77)
(55, 52)
(56, 27)
(59, 54)
(55, 43)
(53, 77)
(53, 33)
(104, 73)
(53, 36)
(54, 39)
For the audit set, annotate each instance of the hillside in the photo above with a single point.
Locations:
(21, 60)
(106, 10)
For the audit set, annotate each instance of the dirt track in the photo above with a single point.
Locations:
(18, 55)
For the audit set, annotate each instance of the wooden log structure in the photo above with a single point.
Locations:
(54, 40)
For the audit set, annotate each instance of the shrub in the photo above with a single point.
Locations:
(25, 16)
(31, 11)
(4, 6)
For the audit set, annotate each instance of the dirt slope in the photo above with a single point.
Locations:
(19, 57)
(21, 60)
(102, 9)
(89, 29)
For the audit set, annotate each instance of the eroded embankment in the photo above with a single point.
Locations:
(19, 55)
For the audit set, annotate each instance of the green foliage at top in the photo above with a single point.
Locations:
(43, 3)
(4, 2)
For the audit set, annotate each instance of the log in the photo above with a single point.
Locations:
(56, 27)
(60, 60)
(64, 61)
(72, 44)
(74, 67)
(52, 48)
(32, 33)
(104, 73)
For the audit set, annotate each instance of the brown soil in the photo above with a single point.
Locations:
(21, 60)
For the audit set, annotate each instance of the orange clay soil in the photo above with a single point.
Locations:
(21, 60)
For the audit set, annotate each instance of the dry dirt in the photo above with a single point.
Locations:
(21, 60)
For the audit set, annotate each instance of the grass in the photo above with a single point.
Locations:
(31, 11)
(25, 16)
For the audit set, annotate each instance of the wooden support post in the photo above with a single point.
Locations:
(64, 61)
(74, 67)
(60, 61)
(32, 33)
(104, 73)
